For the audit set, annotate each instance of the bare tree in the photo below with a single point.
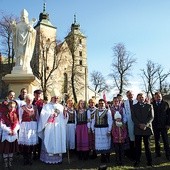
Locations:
(154, 78)
(165, 88)
(99, 82)
(150, 77)
(48, 62)
(162, 78)
(6, 36)
(121, 66)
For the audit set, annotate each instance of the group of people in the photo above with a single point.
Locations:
(45, 130)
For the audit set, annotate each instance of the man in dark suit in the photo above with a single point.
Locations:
(142, 116)
(161, 124)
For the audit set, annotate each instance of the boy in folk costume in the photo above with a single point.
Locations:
(21, 98)
(82, 131)
(10, 97)
(90, 115)
(70, 114)
(38, 102)
(101, 127)
(52, 130)
(28, 137)
(10, 125)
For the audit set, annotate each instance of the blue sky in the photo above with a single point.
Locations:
(142, 25)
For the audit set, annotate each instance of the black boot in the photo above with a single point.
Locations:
(26, 159)
(30, 158)
(6, 165)
(103, 158)
(94, 155)
(86, 155)
(108, 157)
(80, 155)
(10, 160)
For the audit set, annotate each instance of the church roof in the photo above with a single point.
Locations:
(75, 29)
(44, 18)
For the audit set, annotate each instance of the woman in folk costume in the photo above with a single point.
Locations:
(119, 131)
(10, 126)
(52, 131)
(82, 131)
(90, 115)
(28, 137)
(4, 108)
(101, 127)
(70, 113)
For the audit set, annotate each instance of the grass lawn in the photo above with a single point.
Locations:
(75, 164)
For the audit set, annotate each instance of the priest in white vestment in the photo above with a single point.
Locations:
(128, 104)
(52, 131)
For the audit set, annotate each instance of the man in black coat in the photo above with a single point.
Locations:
(161, 124)
(142, 116)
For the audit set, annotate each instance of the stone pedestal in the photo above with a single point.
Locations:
(20, 70)
(18, 81)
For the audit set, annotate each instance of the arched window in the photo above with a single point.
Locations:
(81, 62)
(80, 53)
(80, 41)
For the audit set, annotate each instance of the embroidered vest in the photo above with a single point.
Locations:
(71, 115)
(27, 118)
(101, 121)
(81, 117)
(92, 112)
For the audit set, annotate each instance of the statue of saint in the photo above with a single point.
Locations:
(24, 36)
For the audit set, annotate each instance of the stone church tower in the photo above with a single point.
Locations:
(69, 58)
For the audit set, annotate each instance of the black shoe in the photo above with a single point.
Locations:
(102, 167)
(94, 155)
(158, 155)
(136, 164)
(103, 159)
(59, 163)
(35, 157)
(26, 162)
(150, 164)
(120, 163)
(168, 158)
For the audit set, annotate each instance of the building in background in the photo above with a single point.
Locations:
(72, 68)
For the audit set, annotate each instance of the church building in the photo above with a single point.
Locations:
(61, 65)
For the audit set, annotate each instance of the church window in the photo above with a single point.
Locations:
(80, 53)
(81, 62)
